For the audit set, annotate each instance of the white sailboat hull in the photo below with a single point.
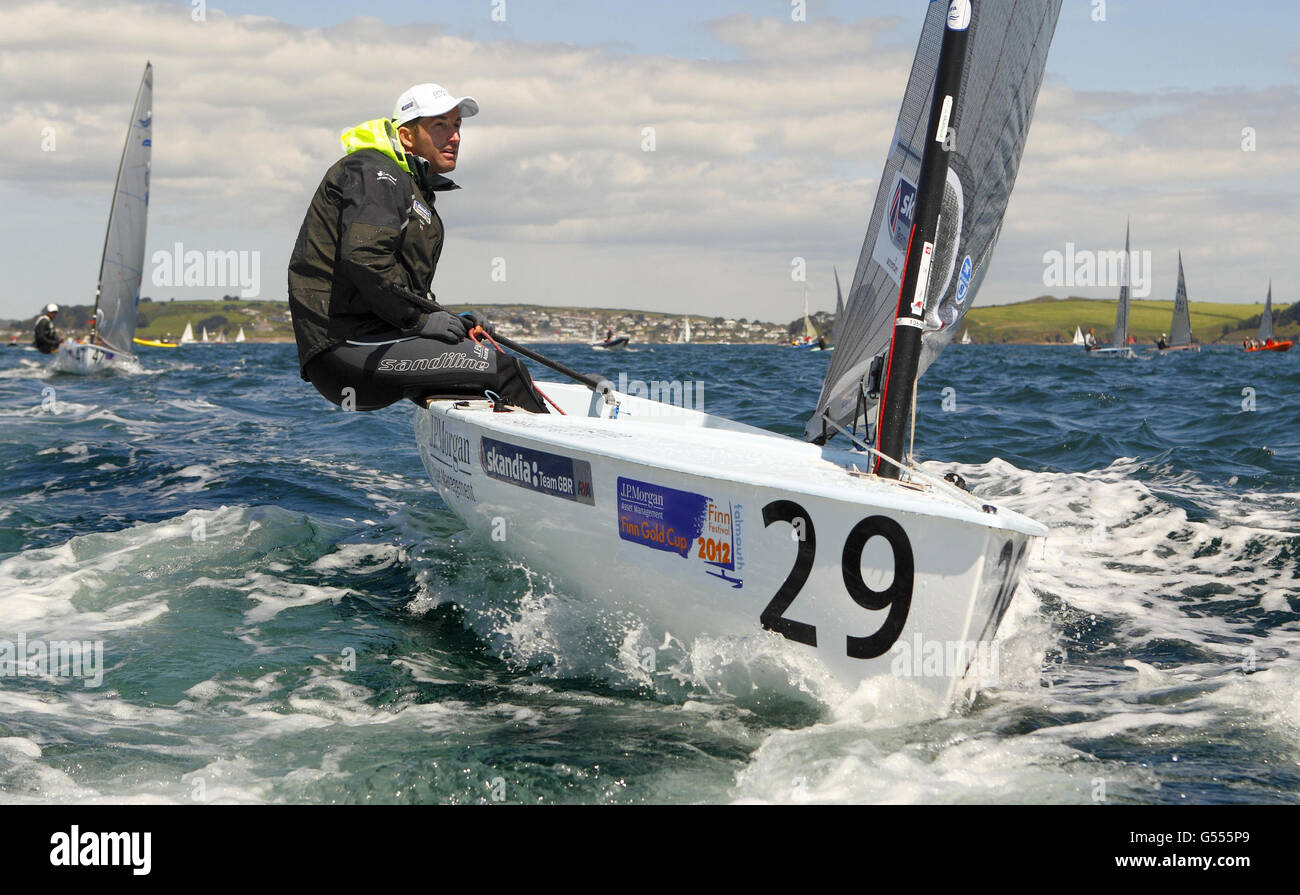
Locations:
(1125, 352)
(84, 359)
(694, 522)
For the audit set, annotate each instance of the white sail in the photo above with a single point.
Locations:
(965, 337)
(1120, 336)
(810, 333)
(205, 334)
(1078, 336)
(837, 326)
(188, 336)
(1006, 54)
(1180, 328)
(1266, 319)
(121, 267)
(240, 336)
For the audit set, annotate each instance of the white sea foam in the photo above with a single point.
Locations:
(1122, 554)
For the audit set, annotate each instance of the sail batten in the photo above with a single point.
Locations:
(117, 294)
(1001, 73)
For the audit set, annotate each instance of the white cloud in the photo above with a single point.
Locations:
(758, 159)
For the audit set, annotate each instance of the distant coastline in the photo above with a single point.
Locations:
(1045, 320)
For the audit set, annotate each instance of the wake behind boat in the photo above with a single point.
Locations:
(117, 297)
(704, 526)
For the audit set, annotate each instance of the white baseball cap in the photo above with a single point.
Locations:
(51, 309)
(424, 100)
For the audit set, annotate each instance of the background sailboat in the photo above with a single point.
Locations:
(839, 312)
(1265, 339)
(1119, 343)
(810, 331)
(684, 336)
(1078, 336)
(239, 337)
(187, 337)
(1180, 328)
(117, 295)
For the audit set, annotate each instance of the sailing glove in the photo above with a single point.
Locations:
(474, 318)
(443, 326)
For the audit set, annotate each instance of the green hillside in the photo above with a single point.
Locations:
(261, 320)
(1049, 319)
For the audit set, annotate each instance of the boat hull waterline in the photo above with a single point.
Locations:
(85, 358)
(704, 527)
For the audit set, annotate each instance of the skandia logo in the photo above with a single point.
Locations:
(516, 468)
(409, 104)
(902, 206)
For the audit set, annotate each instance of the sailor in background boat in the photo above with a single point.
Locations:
(46, 338)
(1090, 341)
(369, 331)
(1162, 342)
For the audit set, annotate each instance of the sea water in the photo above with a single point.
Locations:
(285, 611)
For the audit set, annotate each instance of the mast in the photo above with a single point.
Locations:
(905, 352)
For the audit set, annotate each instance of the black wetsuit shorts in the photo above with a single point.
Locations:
(375, 373)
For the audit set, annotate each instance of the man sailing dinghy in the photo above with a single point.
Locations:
(708, 527)
(117, 298)
(368, 329)
(1180, 327)
(1119, 343)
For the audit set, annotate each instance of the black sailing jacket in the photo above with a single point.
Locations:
(368, 247)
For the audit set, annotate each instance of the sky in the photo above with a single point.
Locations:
(769, 135)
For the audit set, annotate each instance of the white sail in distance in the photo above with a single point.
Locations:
(121, 267)
(1180, 328)
(1266, 319)
(1006, 54)
(1120, 336)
